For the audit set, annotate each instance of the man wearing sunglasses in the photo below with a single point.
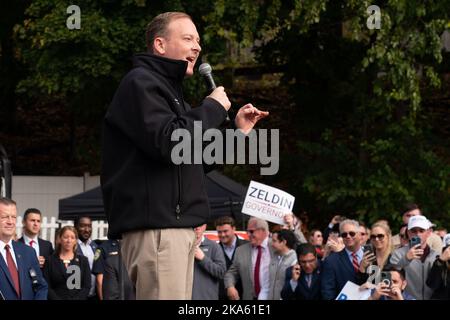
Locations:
(254, 256)
(340, 267)
(416, 259)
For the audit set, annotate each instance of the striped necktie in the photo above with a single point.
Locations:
(355, 262)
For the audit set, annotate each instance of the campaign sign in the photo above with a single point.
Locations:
(267, 203)
(352, 291)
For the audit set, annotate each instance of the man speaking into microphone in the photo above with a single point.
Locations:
(151, 203)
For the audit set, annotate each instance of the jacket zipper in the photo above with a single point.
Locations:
(178, 207)
(180, 190)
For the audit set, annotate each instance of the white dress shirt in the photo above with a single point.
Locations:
(263, 268)
(35, 245)
(11, 249)
(229, 250)
(89, 254)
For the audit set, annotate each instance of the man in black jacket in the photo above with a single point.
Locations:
(152, 203)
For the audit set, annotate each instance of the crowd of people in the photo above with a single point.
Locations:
(280, 262)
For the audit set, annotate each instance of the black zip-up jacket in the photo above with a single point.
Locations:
(142, 188)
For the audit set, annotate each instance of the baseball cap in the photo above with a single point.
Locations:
(419, 222)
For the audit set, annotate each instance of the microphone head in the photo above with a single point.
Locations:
(204, 69)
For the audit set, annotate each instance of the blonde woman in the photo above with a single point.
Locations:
(60, 266)
(380, 251)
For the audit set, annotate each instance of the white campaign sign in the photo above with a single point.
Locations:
(267, 203)
(351, 291)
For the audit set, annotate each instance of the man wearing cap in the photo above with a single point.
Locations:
(410, 210)
(418, 259)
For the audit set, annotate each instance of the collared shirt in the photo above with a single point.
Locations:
(35, 245)
(89, 254)
(11, 249)
(263, 269)
(359, 255)
(229, 250)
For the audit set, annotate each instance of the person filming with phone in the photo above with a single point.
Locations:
(378, 252)
(416, 258)
(392, 286)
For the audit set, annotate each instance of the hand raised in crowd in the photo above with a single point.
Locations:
(396, 293)
(335, 220)
(414, 253)
(445, 256)
(366, 261)
(220, 96)
(382, 289)
(289, 221)
(296, 271)
(41, 261)
(199, 254)
(232, 293)
(335, 245)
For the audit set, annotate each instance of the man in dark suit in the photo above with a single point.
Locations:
(31, 227)
(228, 241)
(340, 267)
(303, 279)
(20, 274)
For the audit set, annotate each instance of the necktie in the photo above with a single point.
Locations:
(32, 242)
(12, 269)
(355, 262)
(308, 280)
(256, 273)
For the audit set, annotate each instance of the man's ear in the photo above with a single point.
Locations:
(159, 45)
(404, 284)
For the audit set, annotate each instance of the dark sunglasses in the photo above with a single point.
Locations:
(251, 231)
(377, 236)
(351, 234)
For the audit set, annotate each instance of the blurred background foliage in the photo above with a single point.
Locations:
(364, 115)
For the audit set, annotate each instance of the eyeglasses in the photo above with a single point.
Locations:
(377, 236)
(351, 234)
(251, 231)
(363, 233)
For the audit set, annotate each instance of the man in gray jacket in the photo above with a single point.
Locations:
(416, 259)
(283, 243)
(209, 267)
(251, 264)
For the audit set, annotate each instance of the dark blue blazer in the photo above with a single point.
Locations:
(302, 291)
(26, 260)
(336, 271)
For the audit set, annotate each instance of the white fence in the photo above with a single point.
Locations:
(49, 226)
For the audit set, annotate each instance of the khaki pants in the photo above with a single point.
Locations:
(160, 262)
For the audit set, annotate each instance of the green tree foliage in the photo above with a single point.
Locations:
(364, 142)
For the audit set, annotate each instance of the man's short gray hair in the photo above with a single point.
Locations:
(349, 221)
(259, 223)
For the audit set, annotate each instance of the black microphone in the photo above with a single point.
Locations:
(206, 71)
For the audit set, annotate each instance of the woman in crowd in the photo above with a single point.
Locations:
(65, 264)
(316, 239)
(381, 249)
(439, 276)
